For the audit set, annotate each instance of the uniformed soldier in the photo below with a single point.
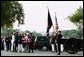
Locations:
(59, 36)
(16, 41)
(8, 42)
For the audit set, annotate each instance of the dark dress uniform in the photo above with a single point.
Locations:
(8, 42)
(19, 39)
(55, 42)
(16, 42)
(59, 43)
(31, 45)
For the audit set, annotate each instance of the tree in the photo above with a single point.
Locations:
(36, 34)
(77, 17)
(73, 33)
(26, 31)
(4, 32)
(10, 12)
(65, 33)
(80, 32)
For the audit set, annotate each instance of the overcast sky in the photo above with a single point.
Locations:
(36, 14)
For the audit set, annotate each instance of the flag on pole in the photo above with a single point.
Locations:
(49, 23)
(56, 25)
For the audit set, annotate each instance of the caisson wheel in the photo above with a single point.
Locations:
(71, 46)
(44, 48)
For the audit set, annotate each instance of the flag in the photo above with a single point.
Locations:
(56, 25)
(49, 23)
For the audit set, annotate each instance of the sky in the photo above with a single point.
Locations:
(36, 14)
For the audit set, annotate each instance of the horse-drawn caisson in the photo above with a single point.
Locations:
(71, 45)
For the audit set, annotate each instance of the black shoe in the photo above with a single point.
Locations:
(6, 50)
(15, 51)
(58, 54)
(55, 50)
(28, 51)
(23, 51)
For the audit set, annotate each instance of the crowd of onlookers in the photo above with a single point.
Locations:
(17, 42)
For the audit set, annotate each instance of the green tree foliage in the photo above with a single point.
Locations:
(73, 33)
(10, 12)
(5, 32)
(65, 33)
(36, 34)
(77, 17)
(80, 32)
(26, 31)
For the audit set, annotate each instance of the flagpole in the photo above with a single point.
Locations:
(46, 32)
(47, 7)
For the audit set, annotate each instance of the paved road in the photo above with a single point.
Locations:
(39, 53)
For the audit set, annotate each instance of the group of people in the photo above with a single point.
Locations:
(25, 42)
(17, 42)
(55, 42)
